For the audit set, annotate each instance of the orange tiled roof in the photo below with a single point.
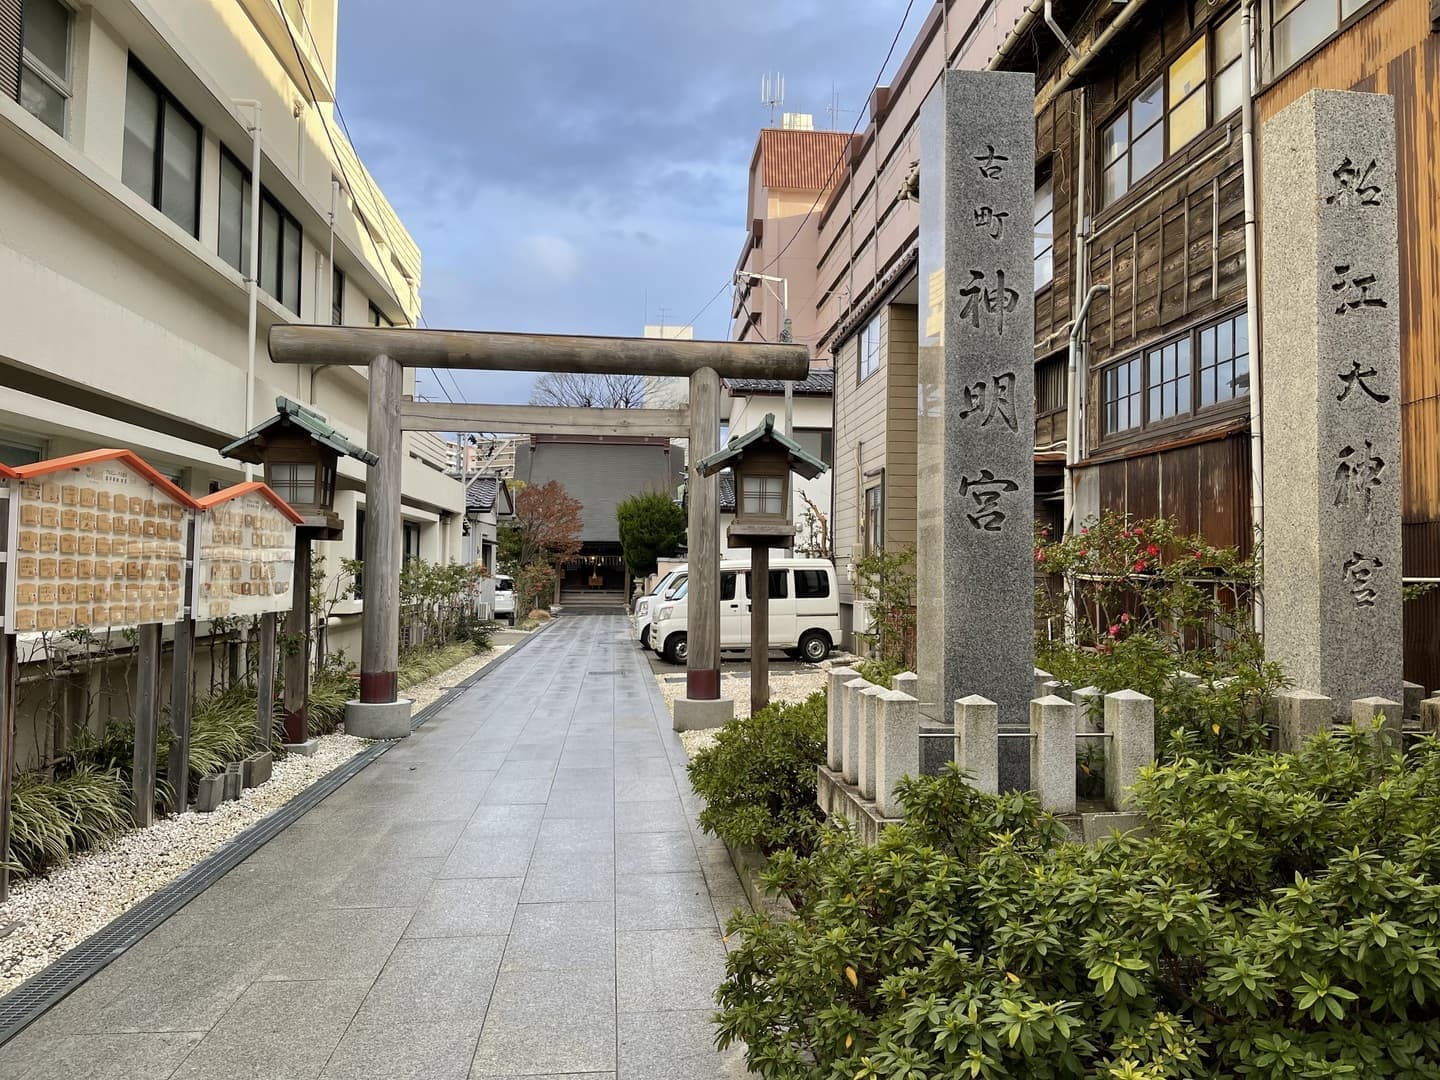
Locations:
(800, 160)
(234, 491)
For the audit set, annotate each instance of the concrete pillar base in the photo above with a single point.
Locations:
(308, 748)
(697, 714)
(378, 720)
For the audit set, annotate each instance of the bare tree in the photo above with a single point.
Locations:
(589, 391)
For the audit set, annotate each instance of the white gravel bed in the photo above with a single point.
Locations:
(785, 686)
(695, 741)
(57, 912)
(423, 693)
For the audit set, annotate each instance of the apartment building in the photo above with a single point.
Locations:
(126, 137)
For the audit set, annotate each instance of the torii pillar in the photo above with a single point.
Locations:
(380, 713)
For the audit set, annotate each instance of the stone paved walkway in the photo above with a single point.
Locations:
(516, 890)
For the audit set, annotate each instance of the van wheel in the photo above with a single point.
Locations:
(677, 649)
(814, 645)
(645, 637)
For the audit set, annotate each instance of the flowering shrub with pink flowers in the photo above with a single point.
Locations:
(1135, 604)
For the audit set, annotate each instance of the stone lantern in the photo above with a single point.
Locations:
(299, 452)
(762, 463)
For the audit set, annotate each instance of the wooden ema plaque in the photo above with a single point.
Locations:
(96, 540)
(244, 553)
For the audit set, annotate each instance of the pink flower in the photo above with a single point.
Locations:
(1152, 551)
(1124, 616)
(1084, 532)
(1115, 630)
(1139, 531)
(1139, 564)
(1084, 552)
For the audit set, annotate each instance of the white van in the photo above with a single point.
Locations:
(505, 598)
(804, 610)
(640, 617)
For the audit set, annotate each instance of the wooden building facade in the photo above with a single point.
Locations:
(1151, 114)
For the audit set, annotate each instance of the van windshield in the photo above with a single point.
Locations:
(664, 583)
(504, 584)
(677, 587)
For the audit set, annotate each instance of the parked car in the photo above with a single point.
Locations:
(804, 611)
(505, 598)
(640, 617)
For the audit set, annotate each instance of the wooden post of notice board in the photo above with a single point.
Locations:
(147, 723)
(182, 685)
(7, 753)
(265, 684)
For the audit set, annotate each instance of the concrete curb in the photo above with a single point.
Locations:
(749, 864)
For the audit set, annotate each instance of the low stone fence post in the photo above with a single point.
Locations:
(1300, 717)
(869, 722)
(897, 747)
(977, 742)
(1052, 753)
(1430, 715)
(1130, 725)
(835, 715)
(1363, 712)
(850, 745)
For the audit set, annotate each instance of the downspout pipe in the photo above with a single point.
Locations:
(1073, 419)
(1252, 295)
(1067, 78)
(1021, 28)
(1059, 34)
(252, 284)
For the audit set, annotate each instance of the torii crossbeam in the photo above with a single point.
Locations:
(386, 351)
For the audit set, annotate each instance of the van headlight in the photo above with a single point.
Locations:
(642, 606)
(664, 613)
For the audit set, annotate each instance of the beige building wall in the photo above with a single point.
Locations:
(122, 329)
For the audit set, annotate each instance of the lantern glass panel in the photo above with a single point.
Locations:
(296, 482)
(763, 494)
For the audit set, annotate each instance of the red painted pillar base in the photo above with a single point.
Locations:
(382, 687)
(703, 684)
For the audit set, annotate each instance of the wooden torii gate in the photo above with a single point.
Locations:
(380, 713)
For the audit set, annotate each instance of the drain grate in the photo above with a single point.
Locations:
(27, 1002)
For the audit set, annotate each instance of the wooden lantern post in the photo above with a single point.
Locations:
(300, 452)
(763, 462)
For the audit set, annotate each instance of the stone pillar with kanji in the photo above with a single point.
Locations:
(1331, 396)
(976, 430)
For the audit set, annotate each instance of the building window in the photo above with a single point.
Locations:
(1297, 26)
(412, 540)
(874, 518)
(161, 158)
(817, 442)
(377, 317)
(1202, 368)
(1224, 361)
(1045, 232)
(763, 494)
(869, 349)
(14, 452)
(337, 296)
(811, 584)
(1133, 144)
(279, 233)
(1229, 87)
(1051, 391)
(1187, 95)
(45, 61)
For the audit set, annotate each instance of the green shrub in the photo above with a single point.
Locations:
(880, 672)
(1280, 920)
(52, 819)
(222, 730)
(758, 780)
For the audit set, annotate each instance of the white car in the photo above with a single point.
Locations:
(640, 617)
(505, 598)
(804, 610)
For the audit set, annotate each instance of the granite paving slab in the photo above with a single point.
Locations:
(517, 890)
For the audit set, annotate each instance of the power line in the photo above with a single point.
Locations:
(753, 322)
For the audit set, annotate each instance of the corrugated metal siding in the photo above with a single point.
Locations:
(600, 475)
(800, 160)
(1393, 51)
(10, 17)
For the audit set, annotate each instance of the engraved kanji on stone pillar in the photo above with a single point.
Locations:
(976, 432)
(1331, 381)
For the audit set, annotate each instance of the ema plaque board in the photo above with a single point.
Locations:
(97, 541)
(244, 553)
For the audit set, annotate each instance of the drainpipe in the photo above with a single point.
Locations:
(1072, 414)
(252, 271)
(1021, 28)
(1122, 20)
(1059, 34)
(1252, 295)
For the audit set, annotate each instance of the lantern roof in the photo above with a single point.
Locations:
(292, 415)
(765, 435)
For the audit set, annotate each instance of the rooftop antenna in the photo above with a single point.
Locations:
(834, 108)
(772, 93)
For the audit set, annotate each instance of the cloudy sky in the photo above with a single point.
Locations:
(564, 165)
